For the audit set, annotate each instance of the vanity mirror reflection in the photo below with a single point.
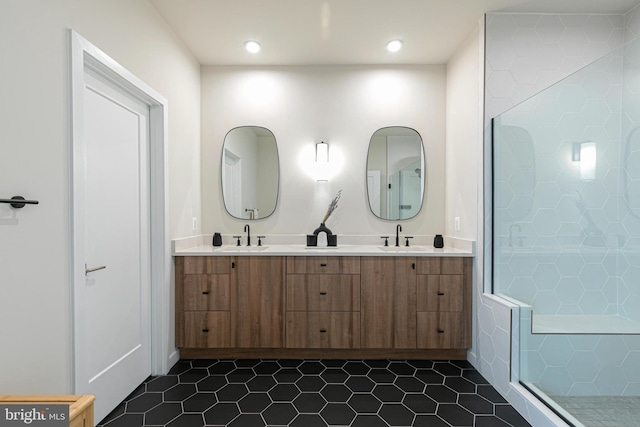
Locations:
(396, 175)
(250, 172)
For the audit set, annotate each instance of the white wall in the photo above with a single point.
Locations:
(341, 105)
(35, 309)
(463, 149)
(464, 134)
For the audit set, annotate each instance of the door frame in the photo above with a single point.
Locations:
(85, 55)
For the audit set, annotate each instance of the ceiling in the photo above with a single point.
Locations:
(313, 32)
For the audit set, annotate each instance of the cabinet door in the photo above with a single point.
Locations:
(440, 293)
(388, 307)
(441, 265)
(204, 292)
(257, 301)
(444, 303)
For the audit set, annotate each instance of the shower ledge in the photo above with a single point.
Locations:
(583, 324)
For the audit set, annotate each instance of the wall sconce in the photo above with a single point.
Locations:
(585, 153)
(322, 161)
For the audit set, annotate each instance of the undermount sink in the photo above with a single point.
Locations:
(402, 248)
(243, 248)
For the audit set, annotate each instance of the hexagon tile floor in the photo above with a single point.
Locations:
(310, 393)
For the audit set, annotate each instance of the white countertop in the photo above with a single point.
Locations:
(201, 246)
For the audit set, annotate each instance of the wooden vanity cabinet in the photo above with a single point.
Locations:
(224, 302)
(388, 316)
(323, 306)
(203, 316)
(444, 303)
(323, 302)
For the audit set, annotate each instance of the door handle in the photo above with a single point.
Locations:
(91, 270)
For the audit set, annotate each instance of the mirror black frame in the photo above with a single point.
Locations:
(222, 170)
(423, 160)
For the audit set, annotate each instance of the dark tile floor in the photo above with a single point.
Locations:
(311, 393)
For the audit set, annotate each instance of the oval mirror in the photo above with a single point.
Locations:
(250, 172)
(395, 173)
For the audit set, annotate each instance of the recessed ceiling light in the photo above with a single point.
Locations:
(394, 45)
(252, 47)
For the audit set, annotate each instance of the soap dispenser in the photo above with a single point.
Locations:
(217, 239)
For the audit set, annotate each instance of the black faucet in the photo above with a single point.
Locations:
(398, 230)
(248, 230)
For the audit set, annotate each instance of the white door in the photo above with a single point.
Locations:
(112, 319)
(232, 184)
(373, 190)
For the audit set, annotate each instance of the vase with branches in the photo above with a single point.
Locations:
(331, 238)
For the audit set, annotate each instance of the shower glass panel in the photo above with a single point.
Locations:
(566, 238)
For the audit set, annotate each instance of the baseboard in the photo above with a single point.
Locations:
(173, 359)
(275, 353)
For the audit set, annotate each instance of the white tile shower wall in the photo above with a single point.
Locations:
(494, 342)
(558, 235)
(632, 24)
(525, 54)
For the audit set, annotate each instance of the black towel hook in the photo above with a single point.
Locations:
(19, 202)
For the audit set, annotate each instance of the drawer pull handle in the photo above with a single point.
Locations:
(440, 294)
(323, 293)
(322, 331)
(233, 265)
(323, 265)
(441, 331)
(205, 293)
(413, 265)
(205, 330)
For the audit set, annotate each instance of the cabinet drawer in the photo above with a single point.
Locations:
(206, 292)
(206, 264)
(323, 265)
(315, 329)
(440, 293)
(440, 265)
(441, 330)
(204, 329)
(323, 292)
